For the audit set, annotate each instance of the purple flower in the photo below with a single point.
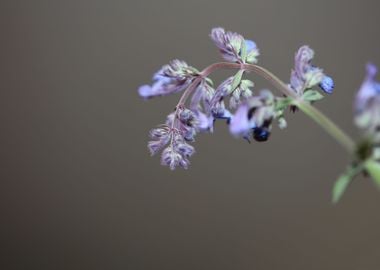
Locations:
(161, 137)
(218, 107)
(305, 76)
(172, 158)
(255, 116)
(369, 89)
(240, 93)
(180, 128)
(241, 124)
(171, 78)
(367, 105)
(201, 106)
(233, 46)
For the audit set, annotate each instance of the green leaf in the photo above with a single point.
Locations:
(312, 95)
(252, 57)
(340, 186)
(283, 103)
(243, 51)
(237, 79)
(373, 168)
(209, 81)
(343, 181)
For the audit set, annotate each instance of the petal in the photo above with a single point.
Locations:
(240, 123)
(368, 89)
(204, 123)
(251, 45)
(327, 85)
(145, 91)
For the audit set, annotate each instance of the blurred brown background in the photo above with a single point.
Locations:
(78, 188)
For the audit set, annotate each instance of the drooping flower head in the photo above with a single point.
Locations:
(233, 47)
(367, 105)
(305, 76)
(171, 78)
(173, 138)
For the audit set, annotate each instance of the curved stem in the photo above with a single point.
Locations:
(329, 126)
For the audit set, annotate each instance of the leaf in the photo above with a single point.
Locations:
(209, 81)
(243, 51)
(373, 168)
(283, 103)
(237, 79)
(252, 57)
(312, 95)
(343, 181)
(340, 186)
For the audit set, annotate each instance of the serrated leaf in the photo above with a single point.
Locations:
(237, 79)
(373, 168)
(312, 95)
(343, 181)
(243, 51)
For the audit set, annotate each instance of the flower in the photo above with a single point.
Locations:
(327, 84)
(256, 116)
(305, 76)
(201, 105)
(233, 46)
(171, 78)
(236, 89)
(367, 105)
(218, 108)
(179, 129)
(241, 92)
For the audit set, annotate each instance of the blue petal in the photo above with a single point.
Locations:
(250, 44)
(327, 85)
(377, 87)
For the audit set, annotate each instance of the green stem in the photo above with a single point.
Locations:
(329, 126)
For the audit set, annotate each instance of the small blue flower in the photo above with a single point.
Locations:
(327, 85)
(251, 45)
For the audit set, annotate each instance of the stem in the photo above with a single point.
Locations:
(329, 126)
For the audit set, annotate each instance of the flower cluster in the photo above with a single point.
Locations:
(305, 76)
(233, 47)
(171, 78)
(179, 129)
(251, 115)
(254, 114)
